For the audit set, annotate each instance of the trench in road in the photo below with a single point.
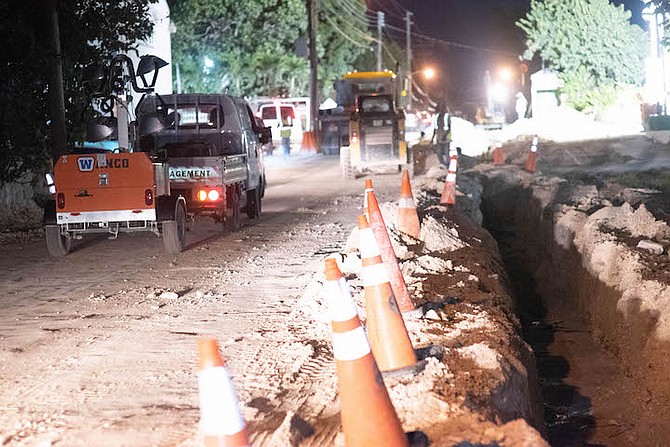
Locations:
(590, 397)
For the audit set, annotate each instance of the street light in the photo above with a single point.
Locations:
(428, 72)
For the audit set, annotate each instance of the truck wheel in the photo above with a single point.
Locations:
(59, 245)
(174, 232)
(253, 204)
(345, 163)
(233, 221)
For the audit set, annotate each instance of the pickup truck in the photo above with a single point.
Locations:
(192, 155)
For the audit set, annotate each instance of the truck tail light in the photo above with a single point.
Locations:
(60, 200)
(213, 195)
(208, 195)
(149, 197)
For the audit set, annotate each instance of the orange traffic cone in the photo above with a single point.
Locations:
(532, 156)
(388, 255)
(368, 416)
(390, 342)
(221, 423)
(449, 192)
(368, 188)
(309, 143)
(498, 156)
(408, 219)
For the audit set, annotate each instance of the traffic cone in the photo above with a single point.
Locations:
(368, 188)
(498, 156)
(368, 416)
(408, 218)
(309, 143)
(532, 157)
(221, 423)
(388, 255)
(390, 342)
(449, 191)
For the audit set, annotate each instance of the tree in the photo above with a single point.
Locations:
(253, 48)
(90, 32)
(592, 45)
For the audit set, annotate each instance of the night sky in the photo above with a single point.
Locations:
(486, 24)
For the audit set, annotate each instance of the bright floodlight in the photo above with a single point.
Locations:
(505, 74)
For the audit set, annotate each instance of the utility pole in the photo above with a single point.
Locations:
(56, 97)
(380, 25)
(313, 100)
(408, 45)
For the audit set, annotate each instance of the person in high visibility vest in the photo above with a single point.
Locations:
(285, 134)
(442, 132)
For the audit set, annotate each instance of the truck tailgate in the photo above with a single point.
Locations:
(190, 171)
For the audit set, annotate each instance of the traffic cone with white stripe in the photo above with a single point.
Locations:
(368, 188)
(221, 423)
(532, 156)
(368, 416)
(381, 235)
(408, 219)
(449, 191)
(390, 342)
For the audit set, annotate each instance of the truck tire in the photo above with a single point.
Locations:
(253, 204)
(345, 163)
(233, 220)
(58, 244)
(174, 231)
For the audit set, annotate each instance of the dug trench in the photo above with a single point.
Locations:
(592, 305)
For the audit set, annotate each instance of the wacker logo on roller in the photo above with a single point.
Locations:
(86, 164)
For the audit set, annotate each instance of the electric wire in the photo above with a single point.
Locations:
(345, 35)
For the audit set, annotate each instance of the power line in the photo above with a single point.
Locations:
(345, 35)
(350, 14)
(451, 43)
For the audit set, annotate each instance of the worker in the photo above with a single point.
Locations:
(521, 105)
(285, 134)
(442, 133)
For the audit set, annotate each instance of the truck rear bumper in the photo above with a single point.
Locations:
(113, 222)
(87, 217)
